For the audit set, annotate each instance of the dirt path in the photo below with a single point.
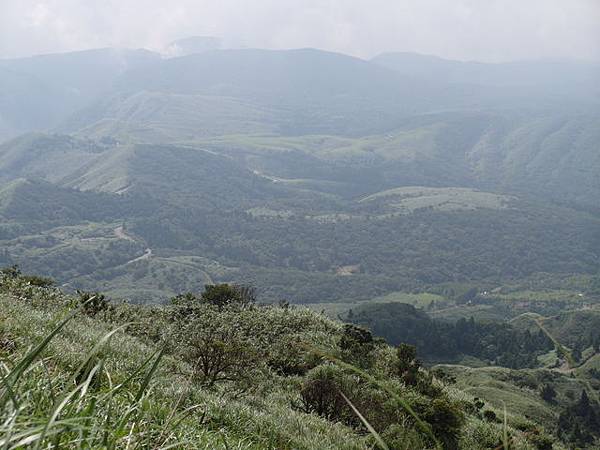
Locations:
(147, 254)
(122, 234)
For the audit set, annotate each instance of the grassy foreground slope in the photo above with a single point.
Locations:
(119, 376)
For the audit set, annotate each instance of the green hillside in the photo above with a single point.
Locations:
(280, 385)
(293, 235)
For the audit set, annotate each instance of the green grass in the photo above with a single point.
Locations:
(420, 300)
(87, 382)
(205, 419)
(410, 199)
(543, 296)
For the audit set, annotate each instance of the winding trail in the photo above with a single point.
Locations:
(122, 234)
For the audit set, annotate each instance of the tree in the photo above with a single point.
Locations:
(93, 302)
(548, 393)
(221, 295)
(357, 345)
(216, 350)
(580, 423)
(407, 365)
(576, 352)
(469, 296)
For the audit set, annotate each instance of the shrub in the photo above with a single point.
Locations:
(7, 344)
(446, 420)
(217, 349)
(222, 295)
(11, 271)
(357, 345)
(490, 415)
(408, 365)
(540, 441)
(548, 393)
(43, 282)
(444, 376)
(478, 403)
(320, 394)
(290, 356)
(93, 302)
(402, 436)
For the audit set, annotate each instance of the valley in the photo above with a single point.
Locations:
(366, 207)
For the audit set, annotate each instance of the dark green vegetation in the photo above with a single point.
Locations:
(353, 181)
(218, 371)
(496, 343)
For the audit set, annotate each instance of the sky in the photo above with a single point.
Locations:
(482, 30)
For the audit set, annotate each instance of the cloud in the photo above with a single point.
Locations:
(490, 30)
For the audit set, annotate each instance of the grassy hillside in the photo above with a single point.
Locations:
(537, 154)
(135, 382)
(291, 235)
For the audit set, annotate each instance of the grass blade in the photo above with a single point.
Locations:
(366, 423)
(31, 356)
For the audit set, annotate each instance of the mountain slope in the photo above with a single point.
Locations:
(569, 80)
(278, 389)
(551, 156)
(39, 92)
(305, 91)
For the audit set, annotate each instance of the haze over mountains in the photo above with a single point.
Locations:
(285, 167)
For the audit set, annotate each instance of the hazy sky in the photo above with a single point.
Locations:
(487, 30)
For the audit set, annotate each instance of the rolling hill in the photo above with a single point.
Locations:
(282, 168)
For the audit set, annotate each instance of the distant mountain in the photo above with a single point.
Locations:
(212, 92)
(289, 92)
(160, 170)
(571, 80)
(39, 92)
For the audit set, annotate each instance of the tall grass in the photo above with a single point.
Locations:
(84, 410)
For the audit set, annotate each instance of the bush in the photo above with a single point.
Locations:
(93, 303)
(222, 295)
(43, 282)
(357, 345)
(446, 420)
(548, 393)
(7, 344)
(320, 394)
(540, 441)
(11, 271)
(402, 436)
(408, 364)
(215, 347)
(490, 416)
(290, 356)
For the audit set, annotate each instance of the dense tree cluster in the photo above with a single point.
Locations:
(580, 423)
(498, 343)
